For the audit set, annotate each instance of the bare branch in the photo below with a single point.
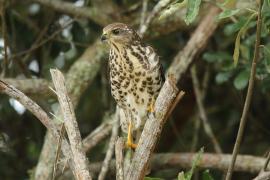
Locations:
(119, 147)
(249, 94)
(39, 113)
(152, 130)
(195, 44)
(39, 87)
(263, 176)
(244, 163)
(79, 76)
(207, 127)
(96, 136)
(159, 6)
(110, 149)
(71, 125)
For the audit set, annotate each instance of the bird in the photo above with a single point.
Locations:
(136, 77)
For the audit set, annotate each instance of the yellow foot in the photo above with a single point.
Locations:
(151, 107)
(129, 142)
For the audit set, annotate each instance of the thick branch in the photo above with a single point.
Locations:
(244, 163)
(79, 76)
(38, 87)
(152, 131)
(195, 44)
(71, 125)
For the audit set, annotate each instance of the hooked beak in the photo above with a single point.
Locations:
(103, 37)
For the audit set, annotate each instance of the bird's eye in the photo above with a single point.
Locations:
(116, 31)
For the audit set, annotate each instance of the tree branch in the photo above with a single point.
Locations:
(110, 149)
(152, 130)
(195, 44)
(71, 125)
(244, 163)
(119, 147)
(37, 87)
(248, 96)
(199, 97)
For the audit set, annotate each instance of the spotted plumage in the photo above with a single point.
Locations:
(135, 74)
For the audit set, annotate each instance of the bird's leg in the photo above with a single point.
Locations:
(129, 142)
(151, 107)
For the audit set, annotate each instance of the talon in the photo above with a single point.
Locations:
(129, 142)
(151, 108)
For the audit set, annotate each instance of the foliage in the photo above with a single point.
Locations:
(195, 162)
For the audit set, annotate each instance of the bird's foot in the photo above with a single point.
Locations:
(151, 107)
(129, 142)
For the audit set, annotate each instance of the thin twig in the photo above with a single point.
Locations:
(37, 111)
(110, 150)
(207, 127)
(266, 162)
(71, 125)
(37, 45)
(4, 36)
(97, 135)
(143, 13)
(119, 158)
(249, 94)
(58, 151)
(159, 6)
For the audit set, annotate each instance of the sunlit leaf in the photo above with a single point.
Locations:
(207, 175)
(193, 7)
(241, 80)
(229, 4)
(227, 13)
(195, 163)
(241, 32)
(181, 176)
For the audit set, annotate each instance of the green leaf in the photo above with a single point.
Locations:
(234, 27)
(222, 77)
(266, 52)
(241, 32)
(227, 13)
(241, 80)
(229, 4)
(195, 163)
(172, 8)
(207, 175)
(152, 178)
(216, 56)
(193, 7)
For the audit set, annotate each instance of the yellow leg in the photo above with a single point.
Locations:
(129, 142)
(151, 107)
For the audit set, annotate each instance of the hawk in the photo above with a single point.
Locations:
(135, 76)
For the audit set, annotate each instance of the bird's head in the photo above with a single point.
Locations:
(119, 33)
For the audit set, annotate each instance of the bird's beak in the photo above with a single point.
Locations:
(103, 37)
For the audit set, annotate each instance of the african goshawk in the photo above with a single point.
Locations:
(135, 76)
